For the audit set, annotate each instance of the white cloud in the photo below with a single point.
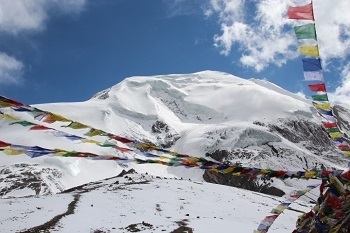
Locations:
(23, 15)
(10, 69)
(333, 28)
(341, 95)
(258, 29)
(18, 16)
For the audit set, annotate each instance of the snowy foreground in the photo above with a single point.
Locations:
(143, 203)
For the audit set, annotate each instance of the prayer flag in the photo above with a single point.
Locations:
(120, 139)
(325, 112)
(6, 102)
(308, 50)
(346, 153)
(311, 64)
(336, 135)
(39, 127)
(301, 12)
(306, 31)
(51, 118)
(11, 151)
(333, 130)
(329, 124)
(325, 106)
(313, 76)
(317, 87)
(4, 144)
(76, 125)
(23, 123)
(344, 147)
(323, 97)
(94, 132)
(9, 117)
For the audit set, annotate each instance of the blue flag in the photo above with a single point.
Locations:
(312, 64)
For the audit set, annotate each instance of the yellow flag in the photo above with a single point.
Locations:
(77, 125)
(50, 118)
(4, 104)
(228, 170)
(9, 117)
(309, 50)
(346, 153)
(192, 160)
(10, 151)
(326, 106)
(309, 174)
(336, 135)
(90, 141)
(94, 132)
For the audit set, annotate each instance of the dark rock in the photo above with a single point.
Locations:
(244, 182)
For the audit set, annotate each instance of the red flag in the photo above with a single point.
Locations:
(4, 144)
(120, 139)
(344, 147)
(328, 125)
(301, 12)
(39, 127)
(317, 87)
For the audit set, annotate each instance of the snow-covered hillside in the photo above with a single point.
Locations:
(142, 203)
(206, 114)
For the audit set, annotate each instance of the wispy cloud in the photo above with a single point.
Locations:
(21, 16)
(183, 7)
(10, 70)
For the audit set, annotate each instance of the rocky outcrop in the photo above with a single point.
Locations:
(33, 178)
(254, 184)
(166, 136)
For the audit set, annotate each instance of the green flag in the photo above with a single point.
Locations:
(333, 130)
(306, 31)
(23, 123)
(323, 97)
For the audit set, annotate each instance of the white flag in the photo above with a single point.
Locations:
(313, 76)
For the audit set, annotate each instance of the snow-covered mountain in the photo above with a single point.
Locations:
(206, 114)
(211, 113)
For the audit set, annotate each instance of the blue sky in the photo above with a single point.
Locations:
(66, 51)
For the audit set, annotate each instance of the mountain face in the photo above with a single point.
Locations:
(209, 114)
(250, 122)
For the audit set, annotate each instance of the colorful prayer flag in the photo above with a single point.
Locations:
(306, 31)
(39, 127)
(346, 153)
(317, 87)
(94, 132)
(313, 76)
(325, 106)
(23, 123)
(6, 102)
(309, 50)
(312, 64)
(4, 144)
(333, 130)
(76, 125)
(323, 97)
(325, 112)
(336, 135)
(328, 125)
(301, 12)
